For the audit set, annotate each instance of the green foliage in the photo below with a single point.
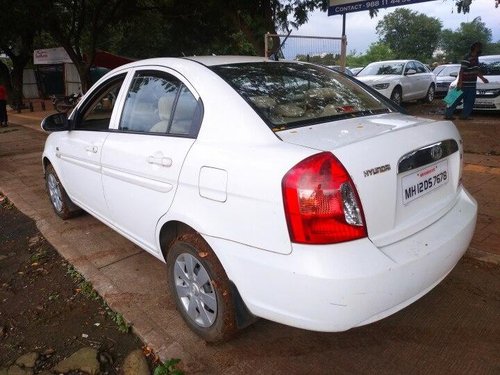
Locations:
(492, 49)
(409, 34)
(377, 51)
(122, 324)
(88, 290)
(456, 44)
(168, 368)
(38, 255)
(323, 59)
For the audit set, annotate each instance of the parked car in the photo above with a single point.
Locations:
(280, 190)
(400, 80)
(338, 68)
(355, 71)
(445, 74)
(487, 94)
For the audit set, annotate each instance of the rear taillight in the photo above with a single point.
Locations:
(321, 202)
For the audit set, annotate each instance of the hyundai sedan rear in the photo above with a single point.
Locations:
(279, 190)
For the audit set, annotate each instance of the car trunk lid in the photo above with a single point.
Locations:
(406, 169)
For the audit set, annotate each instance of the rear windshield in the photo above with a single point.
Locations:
(289, 94)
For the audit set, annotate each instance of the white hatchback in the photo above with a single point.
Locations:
(400, 80)
(280, 190)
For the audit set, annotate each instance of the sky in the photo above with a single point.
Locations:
(360, 28)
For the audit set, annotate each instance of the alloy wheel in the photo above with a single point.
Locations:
(195, 291)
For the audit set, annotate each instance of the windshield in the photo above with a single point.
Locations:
(490, 65)
(380, 68)
(295, 94)
(446, 71)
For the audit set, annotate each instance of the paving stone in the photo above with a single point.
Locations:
(135, 364)
(84, 359)
(27, 360)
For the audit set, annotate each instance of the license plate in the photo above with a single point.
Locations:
(424, 181)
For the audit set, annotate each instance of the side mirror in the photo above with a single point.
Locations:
(410, 72)
(454, 74)
(55, 122)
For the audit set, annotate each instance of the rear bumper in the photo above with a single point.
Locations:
(337, 287)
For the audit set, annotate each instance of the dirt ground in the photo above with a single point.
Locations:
(45, 306)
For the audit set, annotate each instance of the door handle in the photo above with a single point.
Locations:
(93, 149)
(160, 160)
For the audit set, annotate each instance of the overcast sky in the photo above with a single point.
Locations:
(360, 28)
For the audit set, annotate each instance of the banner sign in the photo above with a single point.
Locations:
(349, 6)
(51, 56)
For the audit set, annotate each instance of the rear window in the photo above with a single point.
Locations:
(293, 94)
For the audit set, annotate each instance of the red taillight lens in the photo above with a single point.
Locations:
(321, 202)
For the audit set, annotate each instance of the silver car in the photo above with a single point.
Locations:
(445, 74)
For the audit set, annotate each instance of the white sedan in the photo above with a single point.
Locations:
(280, 190)
(487, 94)
(400, 80)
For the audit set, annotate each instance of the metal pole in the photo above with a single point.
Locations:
(343, 47)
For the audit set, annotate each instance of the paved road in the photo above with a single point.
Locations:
(454, 329)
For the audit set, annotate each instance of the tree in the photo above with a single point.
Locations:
(456, 44)
(17, 33)
(212, 26)
(377, 51)
(410, 34)
(80, 26)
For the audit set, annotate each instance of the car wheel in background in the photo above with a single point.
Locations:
(201, 289)
(429, 97)
(397, 95)
(61, 203)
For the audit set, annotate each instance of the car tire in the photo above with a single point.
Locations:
(431, 93)
(201, 289)
(397, 95)
(61, 203)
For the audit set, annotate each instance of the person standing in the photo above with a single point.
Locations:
(467, 81)
(3, 106)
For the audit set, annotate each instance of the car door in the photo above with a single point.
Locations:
(142, 159)
(80, 149)
(424, 79)
(410, 86)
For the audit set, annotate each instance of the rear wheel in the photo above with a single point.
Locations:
(201, 289)
(61, 203)
(397, 95)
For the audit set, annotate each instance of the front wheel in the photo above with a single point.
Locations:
(397, 96)
(201, 289)
(61, 203)
(431, 92)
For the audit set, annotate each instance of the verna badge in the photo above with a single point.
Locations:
(377, 170)
(436, 152)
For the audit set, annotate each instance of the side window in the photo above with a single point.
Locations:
(184, 114)
(409, 66)
(150, 102)
(420, 68)
(97, 112)
(158, 102)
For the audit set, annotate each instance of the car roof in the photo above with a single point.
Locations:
(204, 60)
(392, 61)
(223, 60)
